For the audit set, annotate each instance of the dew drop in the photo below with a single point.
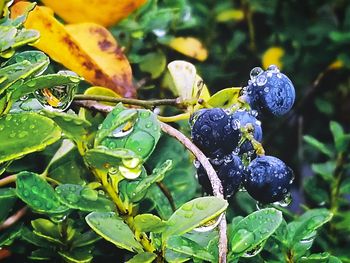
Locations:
(261, 80)
(196, 164)
(123, 130)
(72, 198)
(285, 201)
(131, 163)
(130, 173)
(210, 225)
(187, 207)
(24, 97)
(273, 69)
(22, 134)
(253, 252)
(145, 114)
(2, 127)
(255, 72)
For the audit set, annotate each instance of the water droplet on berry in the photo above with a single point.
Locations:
(285, 201)
(273, 69)
(255, 72)
(266, 89)
(261, 80)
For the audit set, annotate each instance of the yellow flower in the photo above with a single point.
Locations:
(273, 56)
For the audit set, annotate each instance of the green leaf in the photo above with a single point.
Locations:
(83, 198)
(46, 229)
(308, 223)
(326, 170)
(193, 214)
(140, 134)
(119, 119)
(7, 200)
(34, 239)
(25, 133)
(12, 233)
(72, 126)
(174, 257)
(254, 229)
(315, 258)
(21, 66)
(137, 190)
(143, 257)
(32, 189)
(67, 158)
(224, 98)
(78, 255)
(112, 228)
(158, 201)
(42, 254)
(340, 139)
(153, 63)
(318, 145)
(149, 223)
(85, 239)
(105, 159)
(188, 247)
(180, 180)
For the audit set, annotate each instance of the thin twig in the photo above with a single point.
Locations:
(93, 105)
(213, 177)
(8, 180)
(149, 104)
(167, 194)
(14, 218)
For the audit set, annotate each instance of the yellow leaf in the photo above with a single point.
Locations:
(224, 98)
(103, 12)
(190, 47)
(273, 56)
(102, 91)
(87, 49)
(337, 64)
(229, 15)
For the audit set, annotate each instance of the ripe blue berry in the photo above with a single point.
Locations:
(268, 179)
(270, 91)
(245, 119)
(212, 133)
(230, 172)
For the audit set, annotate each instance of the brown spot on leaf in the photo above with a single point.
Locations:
(105, 44)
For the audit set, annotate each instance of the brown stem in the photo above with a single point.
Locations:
(213, 177)
(8, 180)
(14, 218)
(149, 104)
(167, 194)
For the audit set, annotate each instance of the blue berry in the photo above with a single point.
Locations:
(211, 132)
(230, 172)
(270, 92)
(242, 118)
(268, 179)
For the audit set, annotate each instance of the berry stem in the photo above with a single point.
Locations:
(148, 104)
(14, 218)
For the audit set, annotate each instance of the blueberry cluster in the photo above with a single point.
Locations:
(231, 139)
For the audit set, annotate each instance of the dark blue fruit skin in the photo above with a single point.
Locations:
(211, 132)
(275, 97)
(268, 179)
(230, 173)
(243, 118)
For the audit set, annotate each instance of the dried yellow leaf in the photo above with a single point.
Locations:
(87, 49)
(190, 47)
(103, 12)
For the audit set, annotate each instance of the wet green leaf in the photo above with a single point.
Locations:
(16, 129)
(42, 254)
(136, 130)
(45, 81)
(10, 234)
(143, 257)
(112, 228)
(149, 223)
(83, 198)
(72, 126)
(34, 239)
(193, 214)
(32, 189)
(326, 170)
(186, 246)
(254, 229)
